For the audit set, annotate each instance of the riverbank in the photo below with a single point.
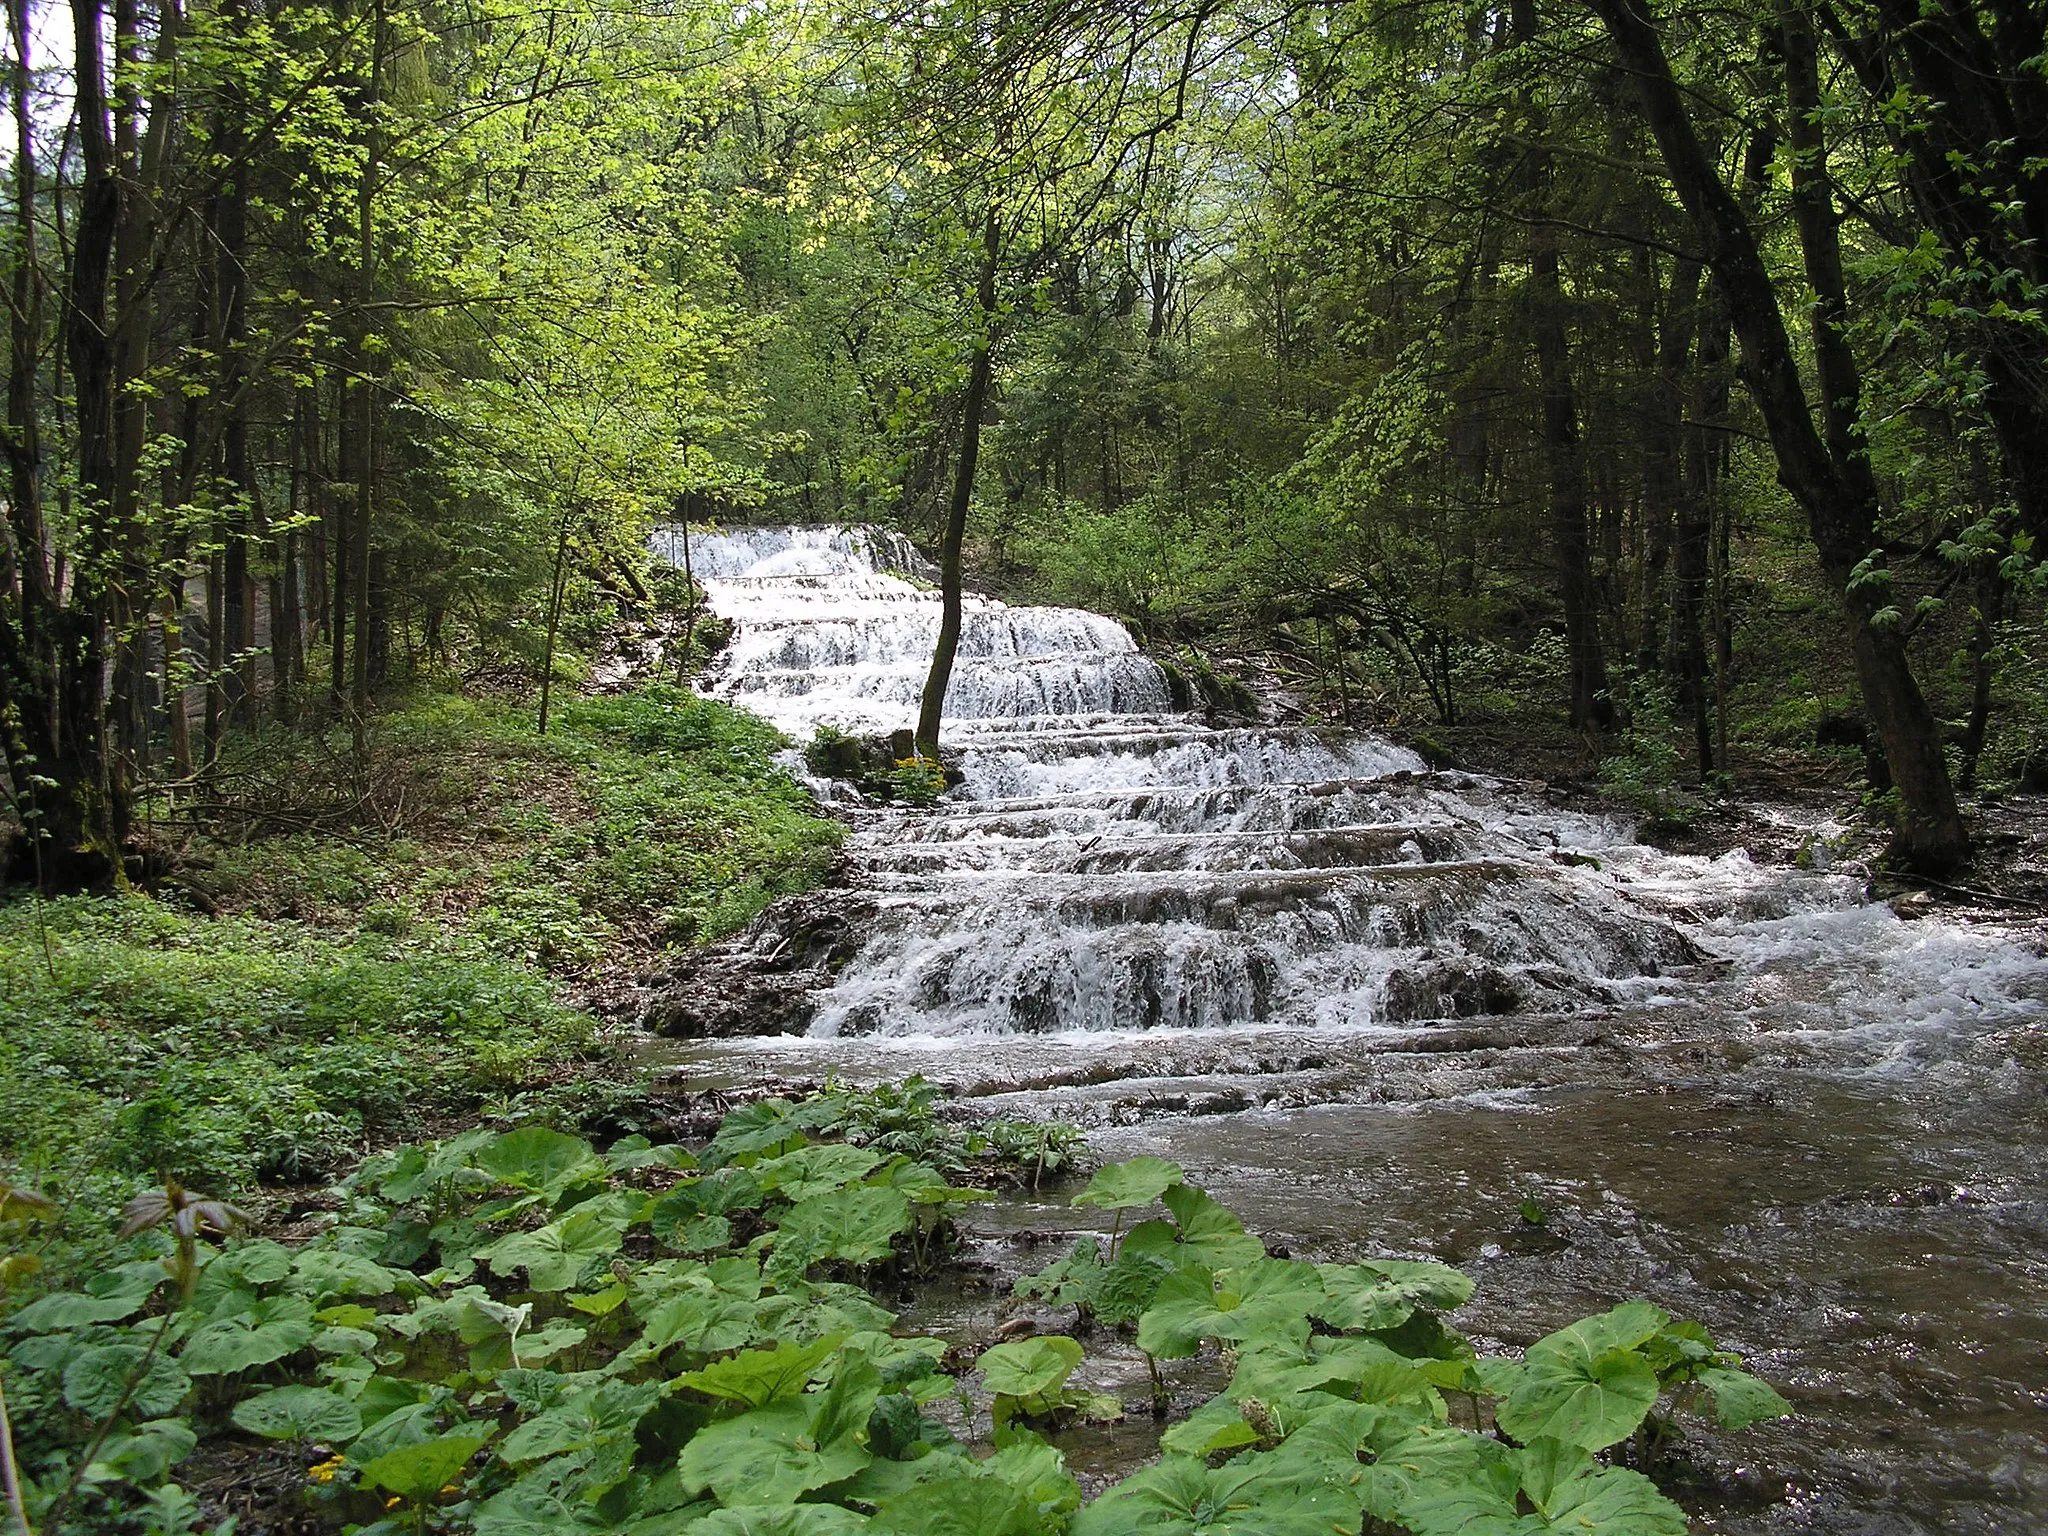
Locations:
(352, 948)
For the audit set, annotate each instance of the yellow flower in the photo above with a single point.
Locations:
(393, 1502)
(324, 1472)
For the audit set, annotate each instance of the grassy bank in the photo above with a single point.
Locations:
(355, 946)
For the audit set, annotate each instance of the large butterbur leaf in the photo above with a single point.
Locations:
(1255, 1495)
(760, 1377)
(1444, 1482)
(764, 1128)
(1386, 1293)
(590, 1420)
(545, 1161)
(423, 1470)
(1586, 1385)
(1029, 1367)
(1266, 1301)
(853, 1226)
(559, 1254)
(266, 1333)
(1207, 1232)
(963, 1505)
(130, 1378)
(300, 1413)
(776, 1520)
(1740, 1400)
(1120, 1186)
(766, 1456)
(816, 1170)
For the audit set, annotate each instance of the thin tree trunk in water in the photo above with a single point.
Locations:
(689, 612)
(933, 705)
(1836, 494)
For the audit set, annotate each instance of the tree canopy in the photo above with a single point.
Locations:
(1669, 371)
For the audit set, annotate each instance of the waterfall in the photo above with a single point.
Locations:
(1109, 865)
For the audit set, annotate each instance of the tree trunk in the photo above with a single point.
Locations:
(1841, 513)
(932, 706)
(1563, 455)
(1692, 547)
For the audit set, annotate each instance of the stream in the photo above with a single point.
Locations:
(1383, 1011)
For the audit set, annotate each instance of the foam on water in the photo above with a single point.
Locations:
(1110, 867)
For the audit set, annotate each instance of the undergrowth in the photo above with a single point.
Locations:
(138, 1040)
(511, 1334)
(643, 822)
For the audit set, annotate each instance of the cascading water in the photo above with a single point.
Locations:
(1390, 1010)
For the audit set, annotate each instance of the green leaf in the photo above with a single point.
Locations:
(1029, 1367)
(1260, 1494)
(531, 1508)
(766, 1126)
(783, 1520)
(759, 1377)
(925, 1185)
(1444, 1482)
(1586, 1385)
(96, 1380)
(854, 1226)
(413, 1424)
(1039, 1472)
(961, 1505)
(68, 1309)
(1574, 1494)
(601, 1415)
(1139, 1181)
(537, 1158)
(634, 1152)
(421, 1471)
(1174, 1326)
(1128, 1286)
(300, 1413)
(1203, 1232)
(1740, 1399)
(816, 1170)
(559, 1254)
(843, 1408)
(237, 1343)
(320, 1274)
(1266, 1300)
(705, 1322)
(145, 1455)
(697, 1200)
(765, 1457)
(1384, 1294)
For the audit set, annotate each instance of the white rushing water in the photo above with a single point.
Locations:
(1109, 866)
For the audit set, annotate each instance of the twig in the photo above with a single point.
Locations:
(10, 1471)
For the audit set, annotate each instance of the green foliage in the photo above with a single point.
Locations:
(138, 1039)
(717, 1392)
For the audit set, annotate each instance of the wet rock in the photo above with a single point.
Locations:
(764, 980)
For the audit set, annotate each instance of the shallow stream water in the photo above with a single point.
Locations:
(1380, 1011)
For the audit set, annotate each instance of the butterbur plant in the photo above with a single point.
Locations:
(187, 1217)
(518, 1334)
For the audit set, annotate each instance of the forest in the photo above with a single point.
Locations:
(1641, 404)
